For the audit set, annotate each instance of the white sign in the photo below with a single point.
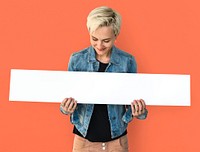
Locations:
(99, 87)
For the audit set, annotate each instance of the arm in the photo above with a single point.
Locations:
(138, 107)
(68, 105)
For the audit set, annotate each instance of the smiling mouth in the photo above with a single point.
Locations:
(100, 50)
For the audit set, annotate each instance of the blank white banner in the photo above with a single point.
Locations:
(99, 87)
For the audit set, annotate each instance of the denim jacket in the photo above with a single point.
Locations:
(119, 115)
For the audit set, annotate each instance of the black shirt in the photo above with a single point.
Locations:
(99, 127)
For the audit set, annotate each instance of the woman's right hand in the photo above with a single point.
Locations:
(68, 105)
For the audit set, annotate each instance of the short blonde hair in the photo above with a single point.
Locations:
(104, 16)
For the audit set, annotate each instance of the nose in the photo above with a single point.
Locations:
(99, 44)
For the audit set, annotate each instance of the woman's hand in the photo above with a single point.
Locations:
(138, 107)
(68, 105)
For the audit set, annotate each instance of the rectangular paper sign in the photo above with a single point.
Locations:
(99, 87)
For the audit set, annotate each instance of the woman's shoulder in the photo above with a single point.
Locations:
(81, 52)
(123, 53)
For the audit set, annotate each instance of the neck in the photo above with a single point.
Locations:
(103, 58)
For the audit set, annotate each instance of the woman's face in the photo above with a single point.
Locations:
(102, 40)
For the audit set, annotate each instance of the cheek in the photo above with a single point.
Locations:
(92, 42)
(108, 45)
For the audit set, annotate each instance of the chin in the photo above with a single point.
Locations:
(101, 52)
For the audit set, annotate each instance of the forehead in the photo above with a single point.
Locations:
(103, 32)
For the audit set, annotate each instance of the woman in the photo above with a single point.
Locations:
(102, 127)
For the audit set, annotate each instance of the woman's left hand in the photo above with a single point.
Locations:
(138, 107)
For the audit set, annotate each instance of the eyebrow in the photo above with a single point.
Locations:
(103, 39)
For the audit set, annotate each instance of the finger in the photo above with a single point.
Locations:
(136, 106)
(74, 106)
(132, 107)
(64, 102)
(71, 104)
(62, 105)
(67, 103)
(140, 105)
(143, 103)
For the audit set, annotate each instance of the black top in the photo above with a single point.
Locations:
(99, 127)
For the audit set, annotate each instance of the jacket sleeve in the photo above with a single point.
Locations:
(143, 116)
(127, 117)
(71, 63)
(64, 112)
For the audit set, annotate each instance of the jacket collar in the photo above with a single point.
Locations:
(114, 58)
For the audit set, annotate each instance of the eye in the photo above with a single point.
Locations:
(94, 39)
(106, 41)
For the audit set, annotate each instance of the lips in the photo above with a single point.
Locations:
(100, 50)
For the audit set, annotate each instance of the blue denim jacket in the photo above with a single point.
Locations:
(119, 115)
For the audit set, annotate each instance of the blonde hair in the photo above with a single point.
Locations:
(104, 16)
